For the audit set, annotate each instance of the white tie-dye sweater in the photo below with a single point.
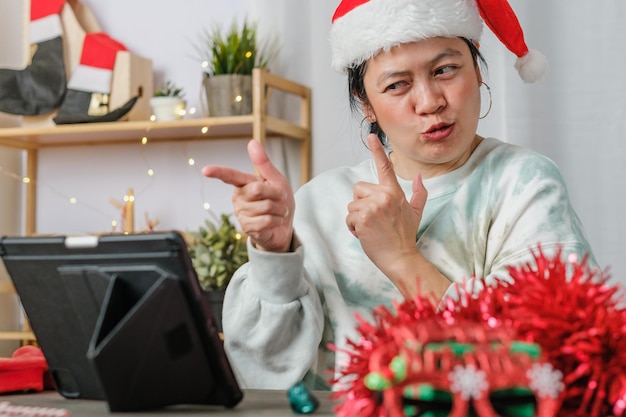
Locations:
(282, 310)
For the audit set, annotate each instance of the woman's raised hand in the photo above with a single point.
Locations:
(263, 203)
(382, 219)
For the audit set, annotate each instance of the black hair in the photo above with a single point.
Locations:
(356, 89)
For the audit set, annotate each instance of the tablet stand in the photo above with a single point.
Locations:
(145, 347)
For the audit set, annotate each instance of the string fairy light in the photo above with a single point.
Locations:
(206, 206)
(149, 170)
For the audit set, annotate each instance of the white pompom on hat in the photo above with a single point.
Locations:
(362, 28)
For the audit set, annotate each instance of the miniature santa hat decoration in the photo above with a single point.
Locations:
(45, 22)
(90, 84)
(97, 60)
(362, 28)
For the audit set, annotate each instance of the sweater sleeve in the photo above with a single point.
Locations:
(272, 320)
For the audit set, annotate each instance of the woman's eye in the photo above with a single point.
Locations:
(445, 70)
(395, 86)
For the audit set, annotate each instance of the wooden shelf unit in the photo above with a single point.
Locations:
(258, 125)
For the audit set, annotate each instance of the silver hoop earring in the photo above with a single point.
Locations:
(490, 100)
(363, 134)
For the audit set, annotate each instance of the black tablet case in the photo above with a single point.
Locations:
(123, 321)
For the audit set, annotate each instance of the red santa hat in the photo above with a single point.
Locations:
(362, 28)
(97, 60)
(45, 22)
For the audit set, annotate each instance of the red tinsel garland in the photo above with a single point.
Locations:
(573, 314)
(569, 310)
(357, 399)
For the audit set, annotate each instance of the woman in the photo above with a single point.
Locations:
(436, 204)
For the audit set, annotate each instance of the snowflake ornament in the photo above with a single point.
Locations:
(545, 380)
(468, 381)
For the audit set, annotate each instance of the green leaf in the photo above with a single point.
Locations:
(236, 50)
(217, 251)
(169, 89)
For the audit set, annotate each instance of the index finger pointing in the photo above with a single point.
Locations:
(386, 174)
(228, 175)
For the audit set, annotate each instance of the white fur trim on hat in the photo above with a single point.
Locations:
(91, 79)
(532, 66)
(378, 25)
(44, 29)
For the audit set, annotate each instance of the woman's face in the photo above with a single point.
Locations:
(426, 98)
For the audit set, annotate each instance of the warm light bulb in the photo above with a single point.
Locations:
(248, 54)
(114, 223)
(26, 180)
(150, 173)
(192, 110)
(153, 118)
(144, 140)
(204, 130)
(191, 162)
(205, 64)
(73, 200)
(238, 99)
(206, 206)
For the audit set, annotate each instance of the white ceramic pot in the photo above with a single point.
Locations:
(167, 108)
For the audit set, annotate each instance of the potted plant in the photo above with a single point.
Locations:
(228, 58)
(217, 249)
(168, 102)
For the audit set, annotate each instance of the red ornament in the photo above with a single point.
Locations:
(564, 307)
(419, 362)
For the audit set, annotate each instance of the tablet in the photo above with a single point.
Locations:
(121, 318)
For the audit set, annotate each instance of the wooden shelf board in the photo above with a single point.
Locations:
(235, 127)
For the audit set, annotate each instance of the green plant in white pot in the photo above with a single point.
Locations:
(228, 58)
(168, 102)
(217, 249)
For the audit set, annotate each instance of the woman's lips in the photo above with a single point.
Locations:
(438, 132)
